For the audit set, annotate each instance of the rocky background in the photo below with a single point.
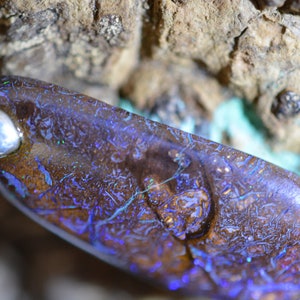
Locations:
(151, 51)
(157, 53)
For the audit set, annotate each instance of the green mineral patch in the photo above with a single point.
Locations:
(239, 123)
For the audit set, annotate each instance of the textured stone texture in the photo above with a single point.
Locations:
(181, 211)
(157, 50)
(71, 42)
(151, 49)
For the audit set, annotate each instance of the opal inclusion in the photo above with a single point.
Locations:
(184, 212)
(10, 137)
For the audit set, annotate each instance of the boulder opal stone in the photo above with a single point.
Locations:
(184, 212)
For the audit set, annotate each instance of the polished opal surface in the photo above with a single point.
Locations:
(181, 211)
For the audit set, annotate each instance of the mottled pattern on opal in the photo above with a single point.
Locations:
(179, 210)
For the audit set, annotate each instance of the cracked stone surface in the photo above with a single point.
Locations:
(153, 49)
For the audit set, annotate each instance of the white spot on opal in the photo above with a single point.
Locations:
(179, 157)
(10, 136)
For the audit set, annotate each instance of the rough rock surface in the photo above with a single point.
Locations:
(70, 42)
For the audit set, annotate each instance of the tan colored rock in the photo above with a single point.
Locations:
(154, 79)
(65, 40)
